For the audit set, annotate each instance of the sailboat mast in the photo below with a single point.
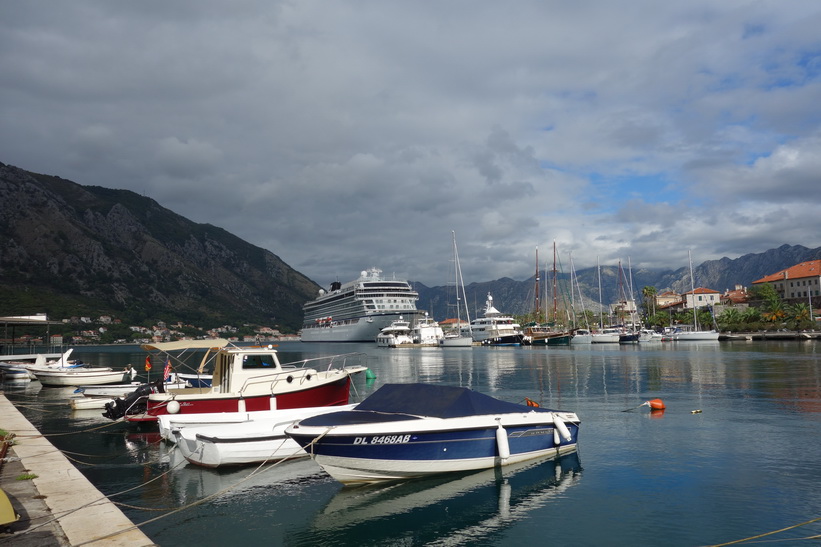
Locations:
(693, 290)
(537, 304)
(601, 308)
(555, 289)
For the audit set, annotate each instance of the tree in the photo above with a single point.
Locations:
(649, 293)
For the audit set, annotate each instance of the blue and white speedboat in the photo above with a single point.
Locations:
(414, 430)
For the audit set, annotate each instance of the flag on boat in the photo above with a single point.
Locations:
(531, 402)
(147, 363)
(166, 373)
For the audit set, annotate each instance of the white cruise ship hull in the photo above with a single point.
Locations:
(363, 329)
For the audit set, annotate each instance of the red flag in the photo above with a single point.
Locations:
(166, 373)
(147, 363)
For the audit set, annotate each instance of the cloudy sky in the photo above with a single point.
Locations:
(350, 134)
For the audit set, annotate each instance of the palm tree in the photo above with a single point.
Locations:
(729, 319)
(798, 315)
(649, 293)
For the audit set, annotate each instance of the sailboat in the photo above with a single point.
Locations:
(604, 335)
(580, 335)
(458, 339)
(695, 334)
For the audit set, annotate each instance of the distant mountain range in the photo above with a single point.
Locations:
(518, 297)
(72, 250)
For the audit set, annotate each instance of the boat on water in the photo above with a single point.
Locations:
(413, 430)
(78, 376)
(649, 335)
(495, 328)
(427, 332)
(356, 311)
(16, 365)
(195, 380)
(606, 335)
(544, 335)
(255, 441)
(458, 338)
(398, 333)
(112, 391)
(582, 336)
(244, 379)
(694, 333)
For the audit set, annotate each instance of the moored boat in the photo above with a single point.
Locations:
(398, 333)
(247, 379)
(412, 430)
(427, 332)
(495, 328)
(82, 376)
(255, 441)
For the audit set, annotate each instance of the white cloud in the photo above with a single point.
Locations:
(360, 134)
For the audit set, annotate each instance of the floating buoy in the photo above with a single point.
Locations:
(695, 411)
(558, 423)
(502, 442)
(369, 374)
(656, 404)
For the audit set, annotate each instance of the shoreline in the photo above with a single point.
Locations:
(60, 506)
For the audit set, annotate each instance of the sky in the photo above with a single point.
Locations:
(354, 134)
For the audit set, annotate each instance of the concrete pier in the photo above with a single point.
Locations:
(60, 506)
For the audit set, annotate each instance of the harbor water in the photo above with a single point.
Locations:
(736, 454)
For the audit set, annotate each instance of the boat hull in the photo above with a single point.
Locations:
(416, 448)
(78, 378)
(257, 440)
(360, 329)
(331, 392)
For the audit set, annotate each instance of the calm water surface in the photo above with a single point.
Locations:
(747, 464)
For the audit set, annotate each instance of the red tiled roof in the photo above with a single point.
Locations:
(799, 271)
(702, 290)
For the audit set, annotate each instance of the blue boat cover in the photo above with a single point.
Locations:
(396, 402)
(438, 401)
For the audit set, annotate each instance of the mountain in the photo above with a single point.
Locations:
(518, 297)
(72, 250)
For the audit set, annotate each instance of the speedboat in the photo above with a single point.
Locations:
(427, 332)
(244, 379)
(112, 391)
(255, 441)
(413, 430)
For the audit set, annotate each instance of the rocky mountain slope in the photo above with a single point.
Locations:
(70, 250)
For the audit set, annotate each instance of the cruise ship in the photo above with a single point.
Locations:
(358, 310)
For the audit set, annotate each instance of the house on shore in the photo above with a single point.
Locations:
(800, 281)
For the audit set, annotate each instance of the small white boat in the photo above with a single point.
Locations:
(458, 339)
(196, 380)
(581, 336)
(608, 335)
(396, 334)
(649, 335)
(89, 403)
(250, 442)
(82, 376)
(30, 362)
(112, 391)
(413, 430)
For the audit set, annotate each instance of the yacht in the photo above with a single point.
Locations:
(358, 310)
(496, 329)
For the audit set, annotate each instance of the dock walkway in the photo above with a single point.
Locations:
(60, 506)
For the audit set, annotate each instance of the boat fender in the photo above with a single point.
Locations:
(561, 428)
(502, 442)
(172, 407)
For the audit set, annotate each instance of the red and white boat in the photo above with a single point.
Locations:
(247, 379)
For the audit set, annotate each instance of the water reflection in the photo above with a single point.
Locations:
(455, 510)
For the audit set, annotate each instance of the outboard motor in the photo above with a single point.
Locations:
(133, 403)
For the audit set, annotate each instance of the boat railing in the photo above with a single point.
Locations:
(339, 362)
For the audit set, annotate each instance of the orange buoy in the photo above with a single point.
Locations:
(656, 404)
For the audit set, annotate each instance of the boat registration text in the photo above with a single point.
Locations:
(383, 439)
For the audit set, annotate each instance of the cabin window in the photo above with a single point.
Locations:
(258, 361)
